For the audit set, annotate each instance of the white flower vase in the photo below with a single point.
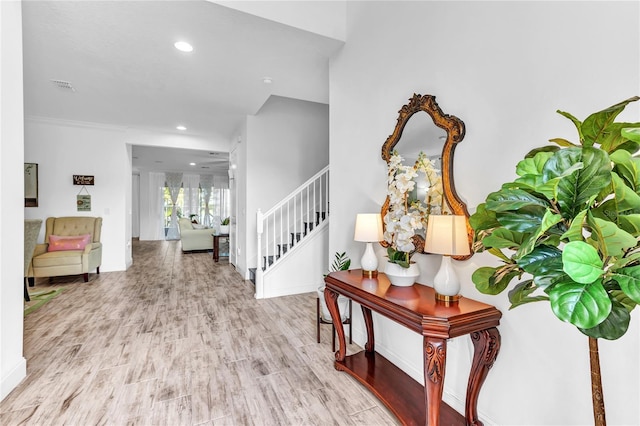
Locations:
(402, 277)
(224, 229)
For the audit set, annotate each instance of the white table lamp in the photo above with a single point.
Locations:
(369, 230)
(447, 235)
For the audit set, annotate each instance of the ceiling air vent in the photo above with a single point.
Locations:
(63, 85)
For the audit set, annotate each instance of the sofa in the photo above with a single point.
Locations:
(71, 247)
(194, 239)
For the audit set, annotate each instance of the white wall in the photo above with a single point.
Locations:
(287, 142)
(238, 193)
(504, 68)
(13, 367)
(65, 149)
(320, 17)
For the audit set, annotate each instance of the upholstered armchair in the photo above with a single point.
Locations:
(31, 231)
(71, 247)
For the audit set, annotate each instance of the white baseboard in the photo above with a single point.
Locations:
(13, 378)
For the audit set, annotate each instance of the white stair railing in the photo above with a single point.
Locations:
(285, 225)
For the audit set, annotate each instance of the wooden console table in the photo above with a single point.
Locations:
(415, 307)
(216, 245)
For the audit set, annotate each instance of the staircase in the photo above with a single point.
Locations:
(286, 227)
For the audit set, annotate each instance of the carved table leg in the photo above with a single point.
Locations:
(435, 357)
(331, 299)
(368, 323)
(486, 347)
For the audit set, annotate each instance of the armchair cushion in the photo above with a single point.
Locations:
(63, 243)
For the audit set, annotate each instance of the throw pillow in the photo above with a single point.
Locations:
(76, 242)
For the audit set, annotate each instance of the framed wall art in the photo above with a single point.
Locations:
(30, 184)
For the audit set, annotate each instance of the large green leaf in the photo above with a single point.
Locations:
(520, 294)
(549, 187)
(629, 280)
(613, 139)
(527, 219)
(631, 133)
(575, 190)
(620, 297)
(631, 259)
(503, 238)
(582, 262)
(542, 260)
(483, 219)
(533, 166)
(546, 148)
(562, 142)
(499, 254)
(611, 240)
(583, 305)
(574, 233)
(575, 121)
(489, 280)
(614, 326)
(626, 198)
(512, 199)
(631, 146)
(630, 223)
(548, 221)
(596, 127)
(626, 168)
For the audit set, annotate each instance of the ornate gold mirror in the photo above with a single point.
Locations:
(435, 135)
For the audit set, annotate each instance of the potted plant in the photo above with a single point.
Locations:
(414, 192)
(224, 225)
(341, 262)
(569, 224)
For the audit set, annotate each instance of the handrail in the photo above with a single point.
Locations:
(298, 189)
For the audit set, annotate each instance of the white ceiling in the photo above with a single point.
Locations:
(120, 59)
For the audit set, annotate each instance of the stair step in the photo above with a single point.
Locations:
(308, 227)
(283, 248)
(295, 237)
(269, 260)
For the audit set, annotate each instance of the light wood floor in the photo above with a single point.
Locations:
(180, 340)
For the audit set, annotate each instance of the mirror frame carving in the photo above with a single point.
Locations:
(455, 133)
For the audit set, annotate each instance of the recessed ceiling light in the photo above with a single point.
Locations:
(192, 164)
(181, 127)
(183, 46)
(267, 80)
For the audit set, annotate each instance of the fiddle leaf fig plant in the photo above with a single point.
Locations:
(568, 227)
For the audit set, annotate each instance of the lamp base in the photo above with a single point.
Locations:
(448, 299)
(369, 274)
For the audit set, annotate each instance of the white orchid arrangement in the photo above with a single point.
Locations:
(414, 193)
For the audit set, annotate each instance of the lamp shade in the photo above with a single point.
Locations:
(368, 228)
(447, 234)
